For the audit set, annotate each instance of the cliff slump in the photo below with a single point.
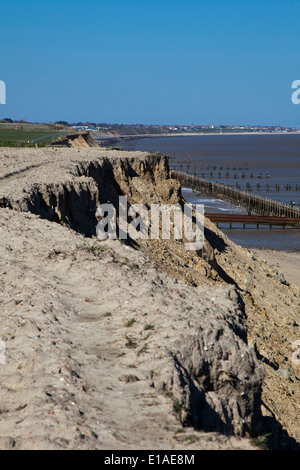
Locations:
(214, 379)
(68, 191)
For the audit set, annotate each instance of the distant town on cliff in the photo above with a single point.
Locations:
(137, 129)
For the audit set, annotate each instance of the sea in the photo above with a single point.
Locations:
(268, 164)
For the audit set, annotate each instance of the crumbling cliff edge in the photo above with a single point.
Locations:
(133, 345)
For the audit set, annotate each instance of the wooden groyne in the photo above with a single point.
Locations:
(255, 203)
(257, 220)
(240, 174)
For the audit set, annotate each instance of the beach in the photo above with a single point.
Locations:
(282, 261)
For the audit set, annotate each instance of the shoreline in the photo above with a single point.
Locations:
(285, 262)
(183, 134)
(281, 240)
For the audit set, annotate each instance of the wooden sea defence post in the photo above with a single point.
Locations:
(256, 203)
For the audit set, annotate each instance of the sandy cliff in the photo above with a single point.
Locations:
(110, 345)
(78, 140)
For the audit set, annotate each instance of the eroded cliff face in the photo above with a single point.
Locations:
(78, 140)
(69, 189)
(208, 370)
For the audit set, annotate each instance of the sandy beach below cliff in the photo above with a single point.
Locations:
(286, 262)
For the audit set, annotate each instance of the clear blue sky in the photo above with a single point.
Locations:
(151, 62)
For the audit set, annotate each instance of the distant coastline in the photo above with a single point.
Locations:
(183, 134)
